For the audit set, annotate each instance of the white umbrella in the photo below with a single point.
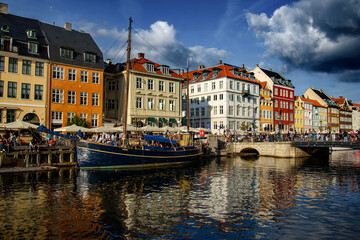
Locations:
(151, 129)
(19, 125)
(184, 129)
(72, 128)
(104, 129)
(169, 129)
(129, 128)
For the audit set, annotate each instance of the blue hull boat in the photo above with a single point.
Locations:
(93, 155)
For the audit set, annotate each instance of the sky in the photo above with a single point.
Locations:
(313, 43)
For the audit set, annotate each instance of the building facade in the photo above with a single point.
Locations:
(299, 115)
(283, 94)
(23, 69)
(345, 114)
(223, 98)
(266, 108)
(154, 93)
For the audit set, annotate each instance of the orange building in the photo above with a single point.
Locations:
(75, 77)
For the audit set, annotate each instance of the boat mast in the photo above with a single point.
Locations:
(187, 99)
(127, 83)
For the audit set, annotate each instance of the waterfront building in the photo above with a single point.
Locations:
(318, 115)
(345, 115)
(76, 76)
(223, 97)
(23, 69)
(283, 94)
(299, 115)
(154, 93)
(355, 115)
(332, 108)
(266, 108)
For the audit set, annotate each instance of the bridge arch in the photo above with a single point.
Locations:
(249, 151)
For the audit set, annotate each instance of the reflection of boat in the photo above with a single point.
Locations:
(98, 155)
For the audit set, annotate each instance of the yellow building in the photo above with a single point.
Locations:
(266, 108)
(23, 69)
(299, 115)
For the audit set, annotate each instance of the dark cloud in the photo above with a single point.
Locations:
(322, 36)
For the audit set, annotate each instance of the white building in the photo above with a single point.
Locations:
(223, 97)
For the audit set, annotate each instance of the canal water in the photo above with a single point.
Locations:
(222, 198)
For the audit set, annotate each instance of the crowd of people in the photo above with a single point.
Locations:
(8, 142)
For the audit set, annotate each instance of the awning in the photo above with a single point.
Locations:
(158, 139)
(152, 120)
(173, 120)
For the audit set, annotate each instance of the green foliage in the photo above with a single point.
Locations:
(77, 121)
(244, 126)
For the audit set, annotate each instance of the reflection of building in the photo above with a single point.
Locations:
(223, 97)
(283, 94)
(23, 69)
(154, 93)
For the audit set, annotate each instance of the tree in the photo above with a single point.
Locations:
(77, 121)
(244, 126)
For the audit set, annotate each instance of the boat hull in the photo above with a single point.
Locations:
(90, 155)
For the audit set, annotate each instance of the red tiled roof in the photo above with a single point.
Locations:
(314, 102)
(339, 101)
(224, 71)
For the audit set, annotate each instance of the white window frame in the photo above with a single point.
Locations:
(83, 98)
(57, 95)
(58, 73)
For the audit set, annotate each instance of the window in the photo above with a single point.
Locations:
(25, 91)
(138, 83)
(2, 63)
(199, 88)
(38, 92)
(1, 88)
(150, 103)
(95, 78)
(171, 87)
(150, 67)
(12, 86)
(138, 102)
(276, 91)
(255, 89)
(72, 74)
(215, 125)
(231, 110)
(161, 86)
(192, 89)
(26, 67)
(291, 94)
(31, 33)
(191, 112)
(10, 115)
(70, 115)
(161, 104)
(221, 96)
(71, 97)
(215, 110)
(57, 95)
(171, 105)
(221, 84)
(202, 111)
(112, 86)
(231, 97)
(83, 98)
(39, 69)
(151, 84)
(231, 84)
(215, 97)
(58, 73)
(221, 109)
(66, 53)
(90, 57)
(84, 76)
(83, 116)
(238, 98)
(94, 120)
(205, 87)
(213, 85)
(95, 99)
(13, 65)
(56, 116)
(238, 86)
(33, 48)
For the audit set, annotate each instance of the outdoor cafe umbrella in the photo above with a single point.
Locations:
(169, 129)
(129, 128)
(104, 129)
(151, 129)
(72, 128)
(19, 125)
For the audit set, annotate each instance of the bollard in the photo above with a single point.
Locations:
(49, 158)
(38, 159)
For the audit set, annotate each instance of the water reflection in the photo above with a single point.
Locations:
(220, 198)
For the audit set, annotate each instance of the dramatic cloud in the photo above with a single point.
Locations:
(159, 44)
(322, 36)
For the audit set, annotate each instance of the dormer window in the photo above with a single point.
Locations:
(216, 72)
(66, 53)
(164, 69)
(149, 67)
(31, 33)
(205, 74)
(5, 28)
(90, 57)
(196, 76)
(33, 48)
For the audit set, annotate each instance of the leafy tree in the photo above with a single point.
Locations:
(77, 121)
(244, 126)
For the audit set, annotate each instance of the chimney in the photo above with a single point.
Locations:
(141, 55)
(341, 97)
(242, 66)
(67, 26)
(220, 61)
(257, 65)
(182, 71)
(199, 67)
(108, 61)
(3, 8)
(270, 69)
